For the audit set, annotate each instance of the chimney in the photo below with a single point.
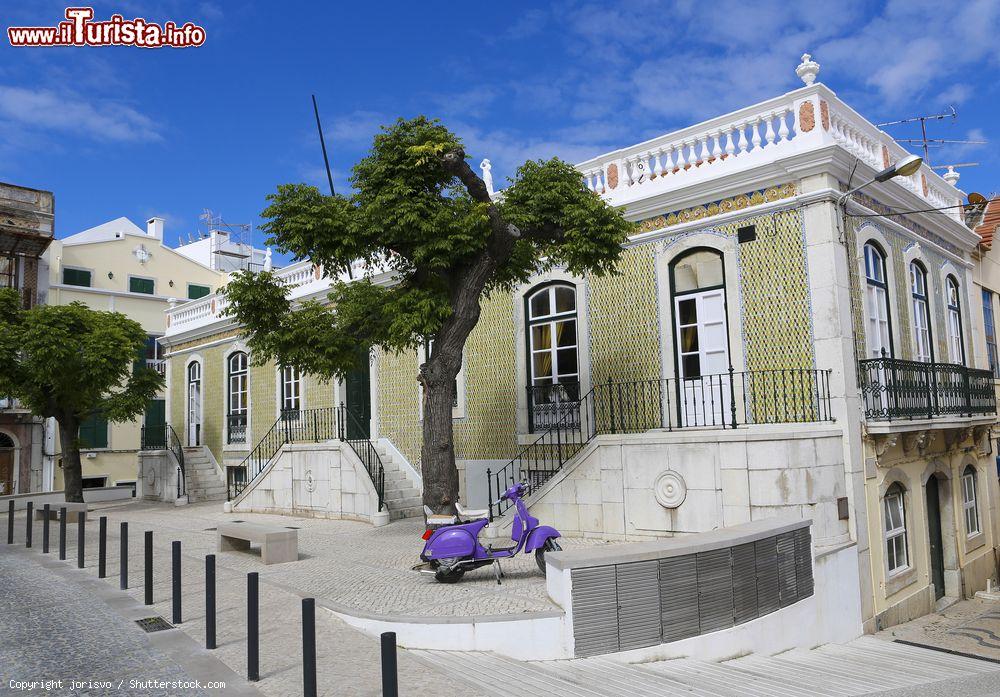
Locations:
(154, 228)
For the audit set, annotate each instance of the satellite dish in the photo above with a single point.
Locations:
(976, 199)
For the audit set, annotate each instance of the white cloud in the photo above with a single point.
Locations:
(100, 120)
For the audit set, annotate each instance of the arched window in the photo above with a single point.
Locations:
(921, 313)
(553, 352)
(895, 529)
(956, 352)
(970, 505)
(879, 334)
(698, 285)
(238, 379)
(194, 403)
(291, 391)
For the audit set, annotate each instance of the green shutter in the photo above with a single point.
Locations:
(140, 285)
(94, 432)
(196, 291)
(76, 277)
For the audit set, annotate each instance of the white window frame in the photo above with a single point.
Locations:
(970, 502)
(458, 409)
(877, 297)
(894, 501)
(283, 382)
(552, 319)
(956, 347)
(922, 346)
(201, 399)
(245, 401)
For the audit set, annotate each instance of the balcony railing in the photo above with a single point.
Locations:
(725, 400)
(236, 428)
(157, 364)
(897, 389)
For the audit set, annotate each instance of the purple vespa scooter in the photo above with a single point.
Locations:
(452, 550)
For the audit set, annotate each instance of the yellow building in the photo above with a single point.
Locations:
(119, 267)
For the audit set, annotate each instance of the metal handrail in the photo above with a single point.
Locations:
(164, 437)
(722, 400)
(365, 450)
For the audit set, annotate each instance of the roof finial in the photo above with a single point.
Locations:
(951, 176)
(807, 69)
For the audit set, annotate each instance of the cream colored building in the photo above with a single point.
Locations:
(117, 266)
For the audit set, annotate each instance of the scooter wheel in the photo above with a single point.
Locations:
(550, 546)
(449, 575)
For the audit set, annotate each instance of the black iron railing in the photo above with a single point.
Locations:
(236, 428)
(306, 425)
(547, 404)
(364, 448)
(164, 437)
(897, 389)
(725, 400)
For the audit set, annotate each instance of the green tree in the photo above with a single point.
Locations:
(69, 362)
(421, 211)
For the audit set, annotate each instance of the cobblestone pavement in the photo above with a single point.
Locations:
(968, 626)
(343, 564)
(51, 629)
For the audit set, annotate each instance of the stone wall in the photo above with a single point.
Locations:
(320, 480)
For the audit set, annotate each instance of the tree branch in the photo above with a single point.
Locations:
(454, 163)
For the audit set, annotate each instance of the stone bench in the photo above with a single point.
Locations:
(73, 511)
(277, 544)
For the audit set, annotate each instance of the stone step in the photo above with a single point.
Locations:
(410, 512)
(400, 494)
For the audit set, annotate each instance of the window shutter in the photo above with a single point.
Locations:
(595, 610)
(638, 605)
(715, 589)
(679, 597)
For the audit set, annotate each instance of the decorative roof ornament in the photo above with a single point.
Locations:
(951, 176)
(267, 259)
(487, 175)
(808, 69)
(142, 254)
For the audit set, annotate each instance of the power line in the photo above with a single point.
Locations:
(922, 210)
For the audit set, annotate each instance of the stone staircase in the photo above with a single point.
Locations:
(864, 666)
(204, 481)
(402, 495)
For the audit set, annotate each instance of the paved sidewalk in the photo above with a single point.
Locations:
(55, 629)
(348, 661)
(968, 626)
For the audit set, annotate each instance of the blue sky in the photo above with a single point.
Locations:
(135, 132)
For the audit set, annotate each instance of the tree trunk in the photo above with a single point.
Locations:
(437, 461)
(69, 433)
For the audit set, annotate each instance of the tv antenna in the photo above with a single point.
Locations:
(925, 142)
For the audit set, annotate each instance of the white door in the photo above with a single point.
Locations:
(194, 404)
(703, 358)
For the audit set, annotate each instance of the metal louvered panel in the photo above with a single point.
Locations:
(638, 605)
(715, 590)
(803, 563)
(744, 583)
(786, 569)
(595, 610)
(767, 575)
(679, 597)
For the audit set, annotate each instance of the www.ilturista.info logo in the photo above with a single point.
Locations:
(79, 29)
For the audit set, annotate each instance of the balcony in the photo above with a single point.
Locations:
(894, 389)
(236, 428)
(157, 364)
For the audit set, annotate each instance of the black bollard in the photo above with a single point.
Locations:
(253, 627)
(62, 534)
(149, 567)
(81, 538)
(102, 547)
(10, 522)
(123, 554)
(390, 677)
(47, 509)
(309, 647)
(28, 526)
(175, 559)
(209, 601)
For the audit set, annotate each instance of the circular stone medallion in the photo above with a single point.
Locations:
(670, 489)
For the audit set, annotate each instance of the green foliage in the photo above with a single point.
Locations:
(73, 361)
(428, 225)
